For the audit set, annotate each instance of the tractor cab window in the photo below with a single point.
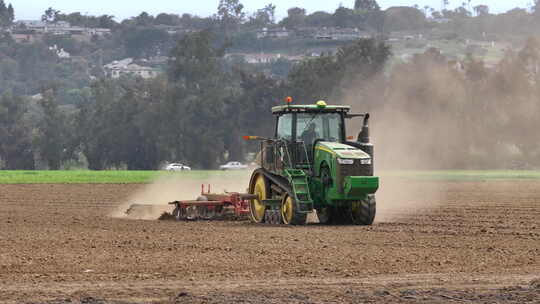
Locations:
(284, 129)
(313, 126)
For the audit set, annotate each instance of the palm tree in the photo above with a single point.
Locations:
(445, 4)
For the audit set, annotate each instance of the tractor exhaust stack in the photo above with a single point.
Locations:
(363, 137)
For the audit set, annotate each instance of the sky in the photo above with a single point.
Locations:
(121, 9)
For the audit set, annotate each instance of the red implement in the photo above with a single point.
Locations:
(211, 206)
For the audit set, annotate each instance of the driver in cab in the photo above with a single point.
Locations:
(310, 135)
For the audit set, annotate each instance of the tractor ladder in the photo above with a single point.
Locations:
(300, 189)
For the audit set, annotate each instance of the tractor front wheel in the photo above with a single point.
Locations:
(363, 212)
(290, 214)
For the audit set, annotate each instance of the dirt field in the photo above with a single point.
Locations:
(435, 242)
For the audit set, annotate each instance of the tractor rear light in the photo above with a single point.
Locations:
(343, 161)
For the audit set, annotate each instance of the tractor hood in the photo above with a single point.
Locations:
(342, 150)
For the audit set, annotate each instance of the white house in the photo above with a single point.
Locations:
(116, 69)
(60, 52)
(273, 33)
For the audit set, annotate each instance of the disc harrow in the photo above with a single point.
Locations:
(212, 206)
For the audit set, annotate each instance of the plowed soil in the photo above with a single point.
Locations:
(434, 242)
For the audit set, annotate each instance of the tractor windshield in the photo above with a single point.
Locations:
(313, 126)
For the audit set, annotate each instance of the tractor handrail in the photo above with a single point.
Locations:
(307, 154)
(290, 165)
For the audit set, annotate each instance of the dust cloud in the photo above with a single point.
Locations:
(400, 199)
(176, 187)
(429, 114)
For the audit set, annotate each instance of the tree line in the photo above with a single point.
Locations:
(427, 113)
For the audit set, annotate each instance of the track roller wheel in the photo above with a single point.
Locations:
(260, 187)
(363, 212)
(290, 214)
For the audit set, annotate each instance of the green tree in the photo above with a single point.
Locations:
(144, 42)
(366, 5)
(106, 21)
(230, 14)
(260, 93)
(363, 59)
(404, 18)
(96, 123)
(194, 59)
(3, 13)
(167, 19)
(10, 14)
(264, 17)
(320, 18)
(328, 77)
(78, 19)
(345, 17)
(7, 14)
(196, 104)
(144, 19)
(15, 134)
(51, 138)
(296, 17)
(445, 4)
(50, 15)
(138, 126)
(314, 79)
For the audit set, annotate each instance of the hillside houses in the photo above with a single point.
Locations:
(174, 29)
(262, 58)
(320, 33)
(28, 31)
(333, 33)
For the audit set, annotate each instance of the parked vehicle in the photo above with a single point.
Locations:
(233, 166)
(177, 167)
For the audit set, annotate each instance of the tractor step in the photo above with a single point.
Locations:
(300, 187)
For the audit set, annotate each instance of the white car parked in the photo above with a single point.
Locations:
(177, 167)
(233, 166)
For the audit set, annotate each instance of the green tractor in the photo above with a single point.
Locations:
(310, 164)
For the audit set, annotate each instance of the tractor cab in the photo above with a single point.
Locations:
(299, 127)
